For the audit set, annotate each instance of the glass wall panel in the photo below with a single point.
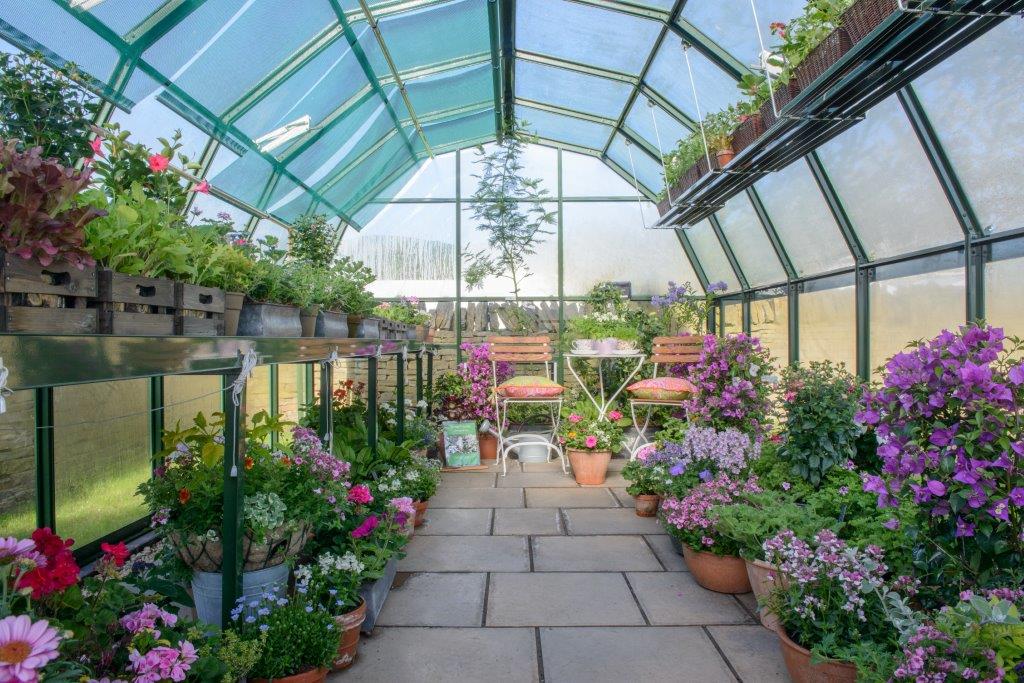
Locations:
(828, 321)
(101, 454)
(732, 317)
(411, 248)
(802, 219)
(291, 390)
(538, 162)
(711, 255)
(257, 391)
(541, 273)
(908, 305)
(604, 242)
(973, 102)
(749, 242)
(887, 186)
(18, 465)
(769, 322)
(186, 395)
(584, 176)
(1004, 287)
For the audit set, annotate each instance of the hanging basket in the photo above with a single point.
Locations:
(206, 555)
(747, 132)
(784, 94)
(864, 16)
(827, 53)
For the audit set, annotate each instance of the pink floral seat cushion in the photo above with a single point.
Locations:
(662, 389)
(530, 386)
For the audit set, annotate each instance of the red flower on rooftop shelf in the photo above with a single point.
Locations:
(117, 554)
(97, 146)
(158, 163)
(58, 572)
(778, 28)
(184, 495)
(203, 187)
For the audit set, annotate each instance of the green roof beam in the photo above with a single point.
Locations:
(630, 8)
(578, 67)
(721, 57)
(507, 36)
(160, 23)
(565, 111)
(494, 31)
(628, 177)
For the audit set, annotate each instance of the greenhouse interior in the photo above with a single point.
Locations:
(543, 341)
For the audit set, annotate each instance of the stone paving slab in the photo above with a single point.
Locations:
(436, 600)
(466, 554)
(561, 599)
(537, 480)
(572, 655)
(662, 546)
(456, 522)
(551, 466)
(675, 599)
(753, 651)
(625, 500)
(467, 480)
(438, 655)
(528, 522)
(570, 498)
(610, 521)
(617, 463)
(477, 498)
(748, 601)
(593, 554)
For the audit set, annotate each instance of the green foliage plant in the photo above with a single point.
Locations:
(298, 639)
(311, 241)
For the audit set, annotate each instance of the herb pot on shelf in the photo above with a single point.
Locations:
(269, 320)
(647, 505)
(232, 310)
(421, 511)
(724, 156)
(307, 318)
(589, 467)
(719, 573)
(801, 670)
(311, 676)
(348, 624)
(331, 324)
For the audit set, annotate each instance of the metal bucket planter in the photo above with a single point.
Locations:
(269, 320)
(532, 452)
(331, 324)
(376, 592)
(207, 587)
(364, 328)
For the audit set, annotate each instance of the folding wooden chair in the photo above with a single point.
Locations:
(525, 350)
(668, 351)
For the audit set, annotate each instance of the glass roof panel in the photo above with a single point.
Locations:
(711, 256)
(570, 89)
(730, 23)
(432, 178)
(124, 15)
(561, 128)
(662, 131)
(245, 178)
(604, 38)
(346, 191)
(635, 161)
(150, 120)
(586, 176)
(455, 132)
(669, 76)
(749, 243)
(451, 89)
(803, 221)
(887, 186)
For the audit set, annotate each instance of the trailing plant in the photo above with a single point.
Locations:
(509, 210)
(41, 218)
(46, 108)
(311, 241)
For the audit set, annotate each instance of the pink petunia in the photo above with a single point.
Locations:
(574, 418)
(158, 163)
(614, 415)
(591, 441)
(360, 495)
(202, 187)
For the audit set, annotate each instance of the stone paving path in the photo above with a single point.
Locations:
(529, 577)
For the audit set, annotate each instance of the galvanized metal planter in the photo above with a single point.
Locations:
(376, 593)
(364, 328)
(331, 324)
(269, 320)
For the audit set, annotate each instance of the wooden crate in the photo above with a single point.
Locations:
(198, 311)
(52, 300)
(134, 305)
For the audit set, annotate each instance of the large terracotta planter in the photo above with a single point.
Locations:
(589, 467)
(719, 573)
(647, 505)
(348, 646)
(311, 676)
(724, 156)
(421, 512)
(488, 446)
(763, 578)
(798, 663)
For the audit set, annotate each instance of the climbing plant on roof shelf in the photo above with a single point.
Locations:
(509, 210)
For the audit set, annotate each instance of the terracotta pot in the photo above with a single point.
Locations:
(722, 574)
(763, 578)
(349, 624)
(232, 309)
(589, 467)
(647, 505)
(421, 511)
(307, 317)
(798, 663)
(311, 676)
(724, 156)
(488, 446)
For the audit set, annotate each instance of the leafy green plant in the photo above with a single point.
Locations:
(311, 240)
(347, 289)
(403, 311)
(753, 518)
(509, 209)
(46, 108)
(41, 218)
(238, 655)
(645, 479)
(299, 637)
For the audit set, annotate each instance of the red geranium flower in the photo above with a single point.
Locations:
(117, 554)
(60, 569)
(184, 495)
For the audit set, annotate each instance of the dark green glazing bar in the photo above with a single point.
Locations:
(371, 402)
(326, 417)
(156, 414)
(863, 296)
(419, 380)
(275, 400)
(400, 396)
(430, 381)
(793, 318)
(45, 488)
(234, 494)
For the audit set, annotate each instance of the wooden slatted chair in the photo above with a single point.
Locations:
(668, 351)
(525, 350)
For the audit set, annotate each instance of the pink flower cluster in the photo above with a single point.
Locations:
(360, 495)
(476, 404)
(692, 513)
(732, 387)
(932, 656)
(309, 450)
(147, 618)
(163, 663)
(366, 528)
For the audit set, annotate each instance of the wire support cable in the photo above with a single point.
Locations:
(905, 6)
(636, 183)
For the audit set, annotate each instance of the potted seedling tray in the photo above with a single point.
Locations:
(50, 299)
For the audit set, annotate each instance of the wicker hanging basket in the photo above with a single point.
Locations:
(864, 16)
(206, 555)
(828, 52)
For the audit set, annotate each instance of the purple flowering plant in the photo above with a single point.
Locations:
(466, 393)
(950, 427)
(692, 518)
(734, 380)
(701, 453)
(684, 309)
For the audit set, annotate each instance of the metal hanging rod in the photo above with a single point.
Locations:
(905, 6)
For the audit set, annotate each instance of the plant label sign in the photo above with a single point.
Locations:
(461, 446)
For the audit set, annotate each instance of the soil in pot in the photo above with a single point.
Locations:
(647, 505)
(763, 577)
(348, 647)
(421, 512)
(311, 676)
(589, 467)
(798, 663)
(719, 573)
(488, 446)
